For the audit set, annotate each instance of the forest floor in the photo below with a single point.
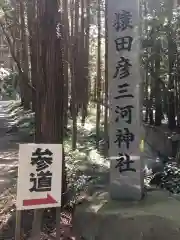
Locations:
(85, 168)
(87, 171)
(87, 174)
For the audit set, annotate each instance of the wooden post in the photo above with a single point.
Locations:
(36, 226)
(18, 225)
(126, 173)
(58, 219)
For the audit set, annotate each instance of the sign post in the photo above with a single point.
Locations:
(126, 173)
(39, 176)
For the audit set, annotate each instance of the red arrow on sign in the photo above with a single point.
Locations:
(40, 201)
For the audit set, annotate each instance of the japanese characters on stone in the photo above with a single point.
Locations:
(41, 179)
(123, 43)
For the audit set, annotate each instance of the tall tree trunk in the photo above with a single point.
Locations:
(50, 83)
(65, 20)
(98, 85)
(32, 28)
(85, 41)
(158, 99)
(24, 58)
(171, 57)
(178, 91)
(74, 73)
(106, 82)
(146, 87)
(171, 97)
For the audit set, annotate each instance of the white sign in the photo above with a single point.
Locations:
(124, 96)
(39, 176)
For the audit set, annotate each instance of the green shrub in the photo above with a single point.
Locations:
(10, 87)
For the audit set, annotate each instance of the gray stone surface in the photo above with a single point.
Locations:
(126, 168)
(154, 218)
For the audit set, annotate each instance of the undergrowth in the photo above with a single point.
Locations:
(77, 180)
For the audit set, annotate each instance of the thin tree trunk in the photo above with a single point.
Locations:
(24, 57)
(85, 55)
(106, 82)
(66, 49)
(171, 97)
(74, 76)
(146, 118)
(32, 28)
(98, 106)
(171, 57)
(158, 100)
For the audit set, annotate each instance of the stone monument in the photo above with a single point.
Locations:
(126, 171)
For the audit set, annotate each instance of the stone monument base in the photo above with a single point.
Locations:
(153, 218)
